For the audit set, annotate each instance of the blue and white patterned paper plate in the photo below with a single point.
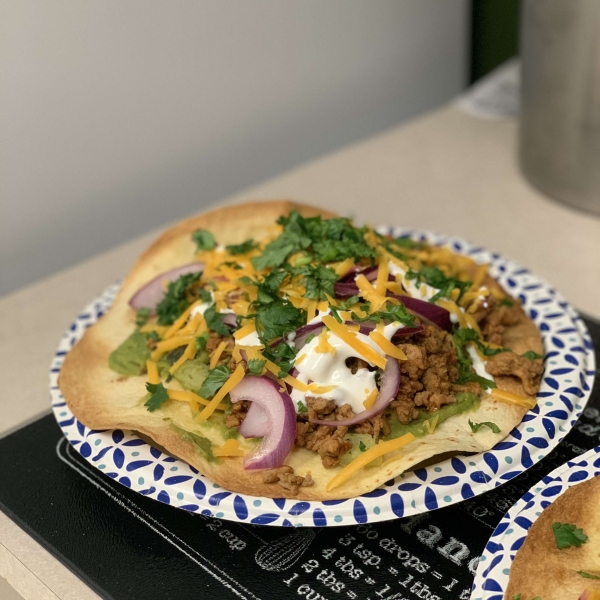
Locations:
(565, 389)
(491, 578)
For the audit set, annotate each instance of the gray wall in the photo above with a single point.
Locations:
(117, 116)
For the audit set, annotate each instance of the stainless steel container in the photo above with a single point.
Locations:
(560, 116)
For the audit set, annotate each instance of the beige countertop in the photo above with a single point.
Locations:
(446, 172)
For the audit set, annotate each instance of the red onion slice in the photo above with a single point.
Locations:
(230, 320)
(406, 331)
(346, 290)
(431, 313)
(345, 287)
(369, 272)
(256, 422)
(153, 292)
(390, 383)
(279, 439)
(367, 326)
(304, 333)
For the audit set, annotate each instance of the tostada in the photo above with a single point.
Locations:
(284, 352)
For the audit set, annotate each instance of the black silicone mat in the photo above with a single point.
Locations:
(128, 547)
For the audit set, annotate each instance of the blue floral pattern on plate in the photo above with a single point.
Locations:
(491, 578)
(565, 389)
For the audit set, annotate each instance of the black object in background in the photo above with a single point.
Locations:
(129, 547)
(494, 34)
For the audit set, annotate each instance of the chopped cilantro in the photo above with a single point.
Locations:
(531, 355)
(465, 368)
(349, 302)
(214, 320)
(256, 365)
(302, 407)
(293, 239)
(233, 265)
(352, 245)
(303, 260)
(153, 336)
(278, 318)
(214, 381)
(516, 597)
(335, 313)
(475, 427)
(242, 248)
(158, 396)
(201, 341)
(319, 281)
(246, 280)
(324, 240)
(470, 335)
(396, 312)
(487, 351)
(204, 295)
(362, 446)
(205, 240)
(587, 575)
(268, 288)
(283, 356)
(175, 300)
(435, 278)
(393, 313)
(505, 302)
(567, 535)
(142, 316)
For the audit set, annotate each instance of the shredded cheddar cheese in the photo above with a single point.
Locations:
(188, 353)
(170, 344)
(370, 399)
(366, 457)
(511, 398)
(233, 380)
(324, 346)
(229, 448)
(472, 323)
(216, 354)
(152, 369)
(192, 399)
(382, 277)
(245, 330)
(341, 268)
(195, 323)
(370, 294)
(386, 345)
(178, 324)
(352, 340)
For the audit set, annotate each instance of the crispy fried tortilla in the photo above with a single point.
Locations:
(102, 399)
(542, 569)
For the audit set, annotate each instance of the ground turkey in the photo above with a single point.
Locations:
(529, 372)
(428, 375)
(498, 318)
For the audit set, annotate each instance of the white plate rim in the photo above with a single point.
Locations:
(456, 479)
